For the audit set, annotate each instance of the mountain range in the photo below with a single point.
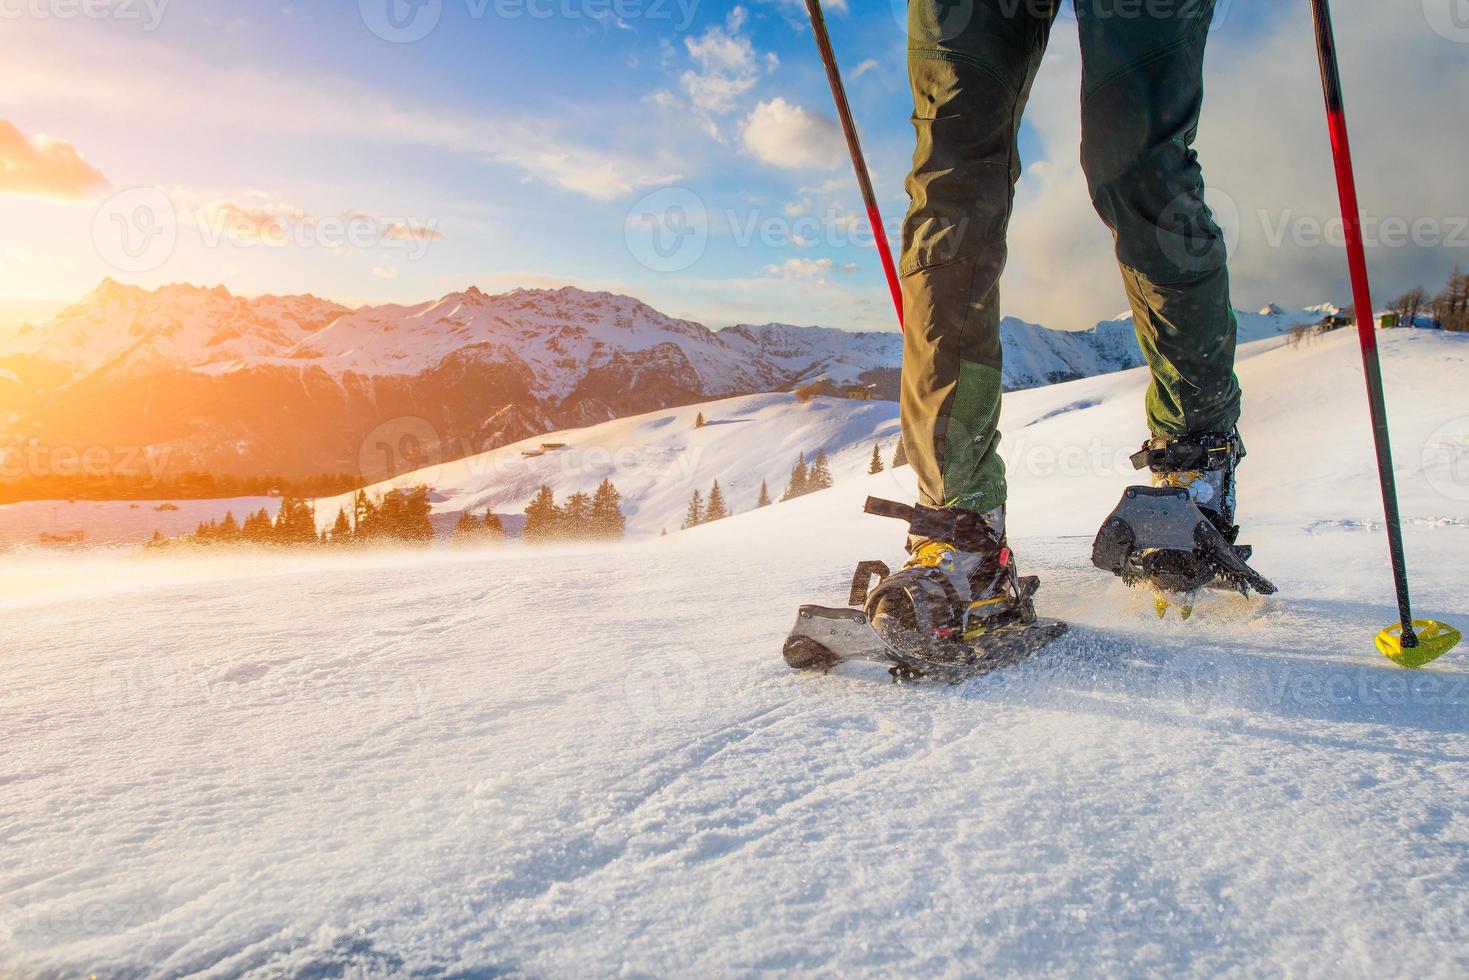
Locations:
(295, 385)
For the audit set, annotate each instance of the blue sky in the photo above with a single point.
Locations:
(308, 147)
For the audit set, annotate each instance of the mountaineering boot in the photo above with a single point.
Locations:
(1178, 536)
(956, 610)
(1203, 465)
(958, 584)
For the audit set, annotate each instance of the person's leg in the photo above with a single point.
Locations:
(971, 66)
(1142, 88)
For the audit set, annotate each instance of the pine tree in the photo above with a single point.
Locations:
(542, 517)
(471, 530)
(876, 465)
(764, 500)
(258, 527)
(361, 511)
(900, 455)
(797, 486)
(1451, 305)
(607, 518)
(820, 476)
(715, 510)
(403, 516)
(576, 516)
(341, 528)
(467, 528)
(367, 517)
(699, 422)
(695, 514)
(296, 522)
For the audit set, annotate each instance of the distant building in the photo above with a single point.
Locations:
(859, 393)
(531, 453)
(551, 447)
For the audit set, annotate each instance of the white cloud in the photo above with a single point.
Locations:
(808, 270)
(411, 231)
(385, 272)
(787, 135)
(725, 65)
(267, 224)
(45, 167)
(725, 68)
(866, 66)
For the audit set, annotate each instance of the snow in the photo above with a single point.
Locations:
(591, 760)
(657, 460)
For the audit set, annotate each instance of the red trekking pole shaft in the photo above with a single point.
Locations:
(859, 164)
(1346, 185)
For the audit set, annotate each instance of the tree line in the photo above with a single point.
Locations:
(397, 516)
(805, 478)
(582, 517)
(1449, 306)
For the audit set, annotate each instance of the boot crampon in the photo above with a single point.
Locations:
(1178, 536)
(957, 608)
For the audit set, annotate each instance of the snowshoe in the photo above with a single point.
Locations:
(957, 609)
(1178, 536)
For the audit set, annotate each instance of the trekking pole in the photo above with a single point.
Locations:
(864, 182)
(1411, 643)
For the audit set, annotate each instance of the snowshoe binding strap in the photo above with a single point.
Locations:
(1203, 451)
(965, 530)
(862, 580)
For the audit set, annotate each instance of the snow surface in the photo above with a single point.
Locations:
(657, 460)
(591, 760)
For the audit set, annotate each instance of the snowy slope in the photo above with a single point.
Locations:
(594, 762)
(657, 460)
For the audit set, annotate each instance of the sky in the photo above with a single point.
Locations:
(681, 151)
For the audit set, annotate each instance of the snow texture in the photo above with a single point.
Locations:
(591, 760)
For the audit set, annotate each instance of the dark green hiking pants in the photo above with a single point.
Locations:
(971, 64)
